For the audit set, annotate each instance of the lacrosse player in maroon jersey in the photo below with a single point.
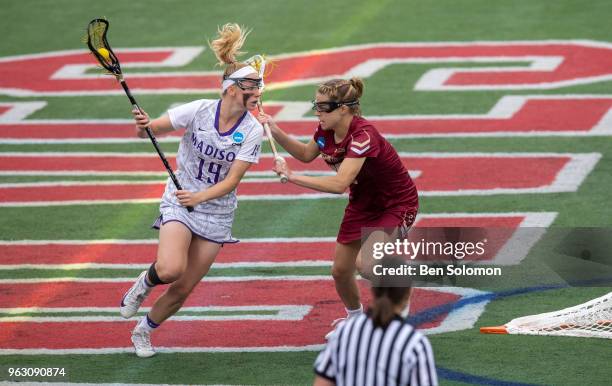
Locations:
(382, 194)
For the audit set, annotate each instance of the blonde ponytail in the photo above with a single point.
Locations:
(229, 41)
(227, 45)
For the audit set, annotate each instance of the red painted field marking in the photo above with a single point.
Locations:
(439, 174)
(549, 64)
(142, 253)
(17, 253)
(320, 294)
(512, 115)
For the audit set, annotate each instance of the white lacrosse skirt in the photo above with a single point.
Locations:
(208, 226)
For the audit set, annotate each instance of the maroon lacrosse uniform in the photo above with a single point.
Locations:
(383, 194)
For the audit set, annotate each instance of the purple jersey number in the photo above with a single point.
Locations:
(213, 168)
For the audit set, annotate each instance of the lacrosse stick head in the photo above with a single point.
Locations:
(262, 65)
(99, 47)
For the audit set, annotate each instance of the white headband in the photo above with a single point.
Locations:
(240, 73)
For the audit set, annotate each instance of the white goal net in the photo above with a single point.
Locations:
(592, 319)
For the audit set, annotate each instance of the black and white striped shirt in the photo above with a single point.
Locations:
(360, 354)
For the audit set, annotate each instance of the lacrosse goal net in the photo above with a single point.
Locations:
(592, 319)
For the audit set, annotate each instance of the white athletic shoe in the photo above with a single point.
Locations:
(134, 297)
(141, 339)
(335, 324)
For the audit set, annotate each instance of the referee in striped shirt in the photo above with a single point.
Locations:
(379, 347)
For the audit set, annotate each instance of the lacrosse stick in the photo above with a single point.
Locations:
(259, 63)
(101, 50)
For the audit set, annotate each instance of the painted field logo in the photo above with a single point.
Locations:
(549, 64)
(226, 309)
(436, 174)
(298, 318)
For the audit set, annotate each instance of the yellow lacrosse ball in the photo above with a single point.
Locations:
(104, 53)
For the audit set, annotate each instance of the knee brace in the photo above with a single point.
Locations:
(152, 276)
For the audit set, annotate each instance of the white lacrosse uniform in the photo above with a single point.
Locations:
(204, 159)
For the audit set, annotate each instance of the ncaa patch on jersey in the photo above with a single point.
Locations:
(321, 142)
(238, 137)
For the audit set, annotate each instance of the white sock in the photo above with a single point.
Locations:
(147, 324)
(353, 313)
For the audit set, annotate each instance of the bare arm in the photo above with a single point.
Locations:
(348, 171)
(305, 152)
(159, 126)
(231, 181)
(320, 381)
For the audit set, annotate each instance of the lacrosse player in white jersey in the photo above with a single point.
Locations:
(221, 141)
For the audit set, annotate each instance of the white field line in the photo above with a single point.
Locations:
(284, 154)
(68, 183)
(273, 197)
(96, 384)
(290, 312)
(264, 197)
(532, 219)
(112, 310)
(131, 279)
(529, 232)
(80, 266)
(462, 318)
(163, 176)
(122, 350)
(179, 57)
(154, 241)
(505, 108)
(603, 131)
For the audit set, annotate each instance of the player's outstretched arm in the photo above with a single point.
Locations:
(305, 152)
(347, 173)
(161, 125)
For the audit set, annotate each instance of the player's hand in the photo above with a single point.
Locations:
(281, 168)
(188, 198)
(265, 118)
(142, 121)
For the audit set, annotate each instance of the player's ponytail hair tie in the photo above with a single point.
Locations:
(357, 84)
(346, 92)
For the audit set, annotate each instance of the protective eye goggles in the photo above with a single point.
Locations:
(246, 84)
(328, 107)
